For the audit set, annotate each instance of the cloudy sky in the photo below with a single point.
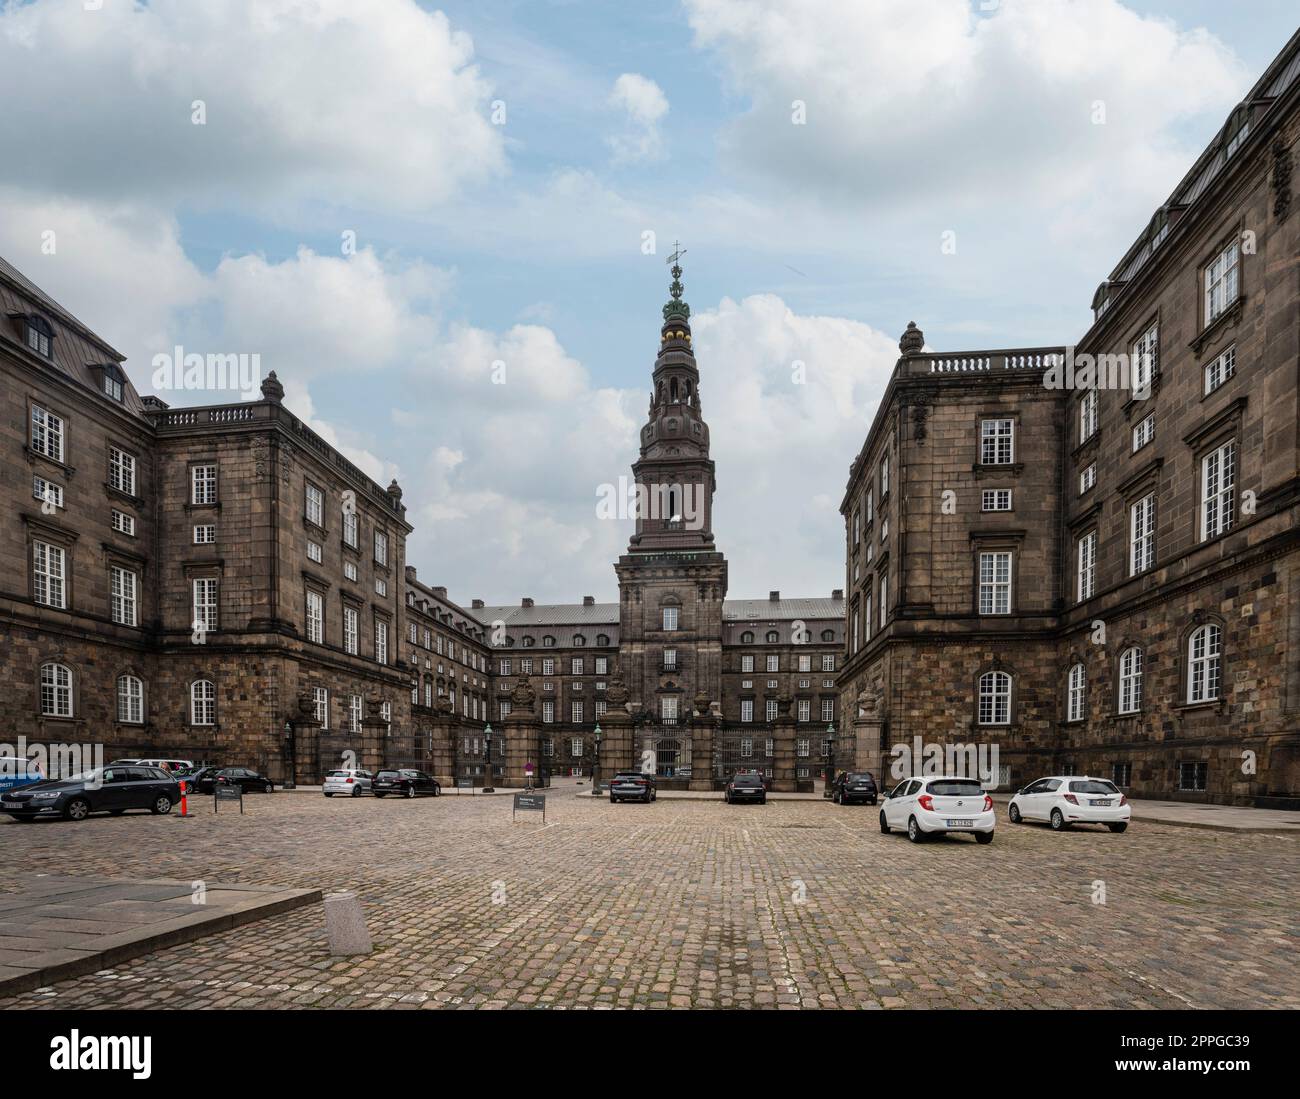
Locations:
(400, 206)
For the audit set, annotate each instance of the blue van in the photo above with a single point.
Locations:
(16, 772)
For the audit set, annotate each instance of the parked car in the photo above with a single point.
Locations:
(745, 786)
(17, 772)
(248, 780)
(171, 766)
(200, 781)
(353, 783)
(767, 782)
(928, 805)
(633, 786)
(1063, 800)
(111, 790)
(854, 786)
(404, 782)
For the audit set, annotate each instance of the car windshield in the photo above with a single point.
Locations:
(388, 774)
(863, 777)
(339, 774)
(746, 780)
(955, 787)
(1092, 786)
(86, 776)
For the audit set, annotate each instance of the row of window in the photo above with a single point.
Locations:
(444, 647)
(315, 621)
(577, 665)
(314, 513)
(321, 701)
(860, 615)
(803, 662)
(578, 640)
(868, 507)
(799, 637)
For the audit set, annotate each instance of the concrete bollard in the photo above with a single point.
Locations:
(346, 925)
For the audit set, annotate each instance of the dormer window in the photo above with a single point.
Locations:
(1101, 300)
(1159, 228)
(1236, 131)
(40, 336)
(113, 380)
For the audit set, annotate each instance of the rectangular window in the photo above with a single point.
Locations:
(47, 492)
(203, 484)
(668, 711)
(1121, 774)
(1088, 416)
(576, 711)
(354, 713)
(997, 442)
(995, 583)
(575, 746)
(884, 477)
(121, 471)
(871, 507)
(381, 641)
(314, 552)
(804, 709)
(315, 505)
(350, 570)
(205, 534)
(1218, 478)
(602, 665)
(350, 527)
(670, 618)
(548, 665)
(771, 709)
(1144, 432)
(828, 662)
(123, 523)
(746, 710)
(48, 573)
(828, 710)
(350, 630)
(773, 662)
(1086, 566)
(47, 433)
(1192, 776)
(1088, 478)
(996, 499)
(122, 590)
(1142, 535)
(1218, 371)
(884, 600)
(1221, 283)
(802, 746)
(548, 711)
(505, 667)
(381, 586)
(576, 663)
(315, 617)
(320, 696)
(205, 603)
(805, 663)
(1146, 361)
(381, 547)
(747, 663)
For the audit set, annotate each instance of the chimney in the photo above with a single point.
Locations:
(774, 596)
(441, 593)
(410, 572)
(588, 600)
(476, 604)
(838, 595)
(525, 602)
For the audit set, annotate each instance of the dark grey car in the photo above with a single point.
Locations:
(111, 790)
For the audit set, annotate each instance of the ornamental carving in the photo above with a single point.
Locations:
(1281, 179)
(523, 696)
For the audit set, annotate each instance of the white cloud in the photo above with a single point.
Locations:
(377, 102)
(644, 105)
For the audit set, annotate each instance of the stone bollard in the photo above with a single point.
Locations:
(346, 925)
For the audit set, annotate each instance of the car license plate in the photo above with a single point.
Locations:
(960, 823)
(1102, 801)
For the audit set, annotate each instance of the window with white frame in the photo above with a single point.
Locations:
(1192, 775)
(884, 599)
(1219, 369)
(577, 664)
(746, 710)
(803, 746)
(548, 665)
(805, 662)
(350, 526)
(828, 662)
(804, 709)
(1146, 361)
(121, 470)
(747, 663)
(575, 746)
(1130, 680)
(386, 711)
(203, 484)
(995, 698)
(205, 534)
(350, 630)
(1218, 480)
(995, 582)
(1204, 655)
(315, 505)
(315, 617)
(871, 507)
(670, 618)
(122, 595)
(828, 709)
(314, 552)
(123, 523)
(350, 570)
(771, 709)
(1088, 416)
(548, 711)
(1221, 282)
(1144, 431)
(320, 697)
(773, 662)
(575, 711)
(1142, 535)
(47, 492)
(668, 710)
(47, 433)
(602, 665)
(49, 574)
(884, 476)
(381, 586)
(1087, 478)
(56, 690)
(354, 713)
(1077, 693)
(381, 547)
(1086, 565)
(381, 641)
(996, 499)
(997, 442)
(203, 702)
(205, 603)
(130, 700)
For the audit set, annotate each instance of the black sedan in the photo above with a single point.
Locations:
(111, 790)
(248, 780)
(857, 786)
(404, 782)
(745, 787)
(200, 781)
(632, 786)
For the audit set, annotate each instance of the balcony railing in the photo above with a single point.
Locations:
(983, 362)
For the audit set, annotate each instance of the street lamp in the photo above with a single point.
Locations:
(292, 782)
(488, 788)
(595, 765)
(830, 760)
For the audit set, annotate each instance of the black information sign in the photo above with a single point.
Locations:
(533, 803)
(227, 791)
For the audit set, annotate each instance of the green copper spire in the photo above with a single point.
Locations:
(676, 307)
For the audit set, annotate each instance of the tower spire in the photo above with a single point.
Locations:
(676, 307)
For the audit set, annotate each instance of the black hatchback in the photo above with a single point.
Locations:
(404, 782)
(111, 790)
(745, 787)
(857, 786)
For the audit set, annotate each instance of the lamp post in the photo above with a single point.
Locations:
(595, 765)
(292, 777)
(488, 788)
(830, 760)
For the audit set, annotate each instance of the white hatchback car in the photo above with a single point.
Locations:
(1063, 800)
(353, 783)
(927, 805)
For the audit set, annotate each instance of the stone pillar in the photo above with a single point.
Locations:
(783, 760)
(704, 727)
(869, 753)
(616, 747)
(302, 762)
(442, 752)
(374, 735)
(522, 737)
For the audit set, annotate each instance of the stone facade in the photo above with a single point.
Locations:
(1149, 623)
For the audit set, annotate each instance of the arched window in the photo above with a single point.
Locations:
(548, 642)
(1076, 694)
(40, 336)
(602, 639)
(130, 700)
(773, 637)
(203, 702)
(1130, 680)
(747, 638)
(56, 690)
(579, 640)
(529, 642)
(672, 390)
(1204, 656)
(995, 699)
(828, 635)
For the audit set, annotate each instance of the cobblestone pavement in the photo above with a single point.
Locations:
(692, 904)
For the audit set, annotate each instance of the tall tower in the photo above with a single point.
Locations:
(672, 580)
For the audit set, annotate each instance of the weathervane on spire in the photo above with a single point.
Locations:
(676, 306)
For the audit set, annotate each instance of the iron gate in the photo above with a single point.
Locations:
(665, 751)
(750, 747)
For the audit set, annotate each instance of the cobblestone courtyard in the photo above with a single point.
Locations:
(692, 903)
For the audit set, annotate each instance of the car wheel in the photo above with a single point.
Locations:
(612, 799)
(984, 837)
(162, 806)
(76, 809)
(1058, 821)
(410, 791)
(270, 788)
(884, 824)
(914, 832)
(356, 791)
(1014, 813)
(1120, 827)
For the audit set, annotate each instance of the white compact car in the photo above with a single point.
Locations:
(351, 783)
(1063, 800)
(927, 805)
